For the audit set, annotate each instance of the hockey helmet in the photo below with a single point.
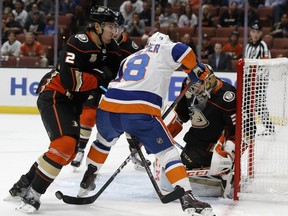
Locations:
(158, 38)
(101, 14)
(119, 19)
(203, 89)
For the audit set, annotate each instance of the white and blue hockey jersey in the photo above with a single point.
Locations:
(144, 77)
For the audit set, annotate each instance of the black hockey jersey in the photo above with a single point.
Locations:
(208, 120)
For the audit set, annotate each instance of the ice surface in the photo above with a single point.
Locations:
(24, 139)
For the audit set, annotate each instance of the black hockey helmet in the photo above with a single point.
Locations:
(119, 19)
(101, 14)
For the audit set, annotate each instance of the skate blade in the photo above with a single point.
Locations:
(10, 198)
(25, 208)
(204, 212)
(83, 192)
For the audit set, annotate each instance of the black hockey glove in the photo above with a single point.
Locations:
(104, 75)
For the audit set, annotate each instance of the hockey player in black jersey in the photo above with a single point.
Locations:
(211, 108)
(89, 59)
(88, 116)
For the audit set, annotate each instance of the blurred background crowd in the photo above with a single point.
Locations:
(30, 38)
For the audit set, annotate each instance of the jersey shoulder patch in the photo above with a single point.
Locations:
(135, 46)
(82, 37)
(229, 96)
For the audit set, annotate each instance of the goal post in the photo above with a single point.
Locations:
(261, 154)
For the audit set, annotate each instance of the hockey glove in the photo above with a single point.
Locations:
(201, 71)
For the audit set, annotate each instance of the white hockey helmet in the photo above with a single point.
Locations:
(158, 38)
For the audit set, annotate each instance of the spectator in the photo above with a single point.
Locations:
(231, 17)
(252, 16)
(127, 8)
(277, 6)
(240, 3)
(156, 28)
(187, 39)
(177, 3)
(36, 26)
(233, 47)
(173, 33)
(8, 4)
(146, 13)
(220, 60)
(280, 29)
(11, 25)
(31, 47)
(35, 8)
(50, 26)
(19, 13)
(67, 6)
(206, 47)
(187, 17)
(136, 27)
(12, 46)
(207, 19)
(167, 17)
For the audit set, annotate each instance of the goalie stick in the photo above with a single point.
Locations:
(178, 192)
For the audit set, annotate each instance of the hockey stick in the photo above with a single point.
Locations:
(88, 200)
(175, 194)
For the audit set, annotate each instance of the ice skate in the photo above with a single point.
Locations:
(78, 159)
(88, 182)
(18, 189)
(138, 164)
(193, 207)
(30, 201)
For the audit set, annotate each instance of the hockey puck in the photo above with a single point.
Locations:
(59, 195)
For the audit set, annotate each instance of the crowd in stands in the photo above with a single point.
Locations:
(222, 24)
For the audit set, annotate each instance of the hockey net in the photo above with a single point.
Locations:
(261, 157)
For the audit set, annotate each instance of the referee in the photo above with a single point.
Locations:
(258, 49)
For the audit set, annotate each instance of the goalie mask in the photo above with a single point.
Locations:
(202, 90)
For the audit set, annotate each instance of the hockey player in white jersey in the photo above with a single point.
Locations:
(133, 104)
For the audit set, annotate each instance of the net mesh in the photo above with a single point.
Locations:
(264, 141)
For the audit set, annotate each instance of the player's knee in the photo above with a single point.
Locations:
(105, 142)
(88, 117)
(62, 150)
(170, 154)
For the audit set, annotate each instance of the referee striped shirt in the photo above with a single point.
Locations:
(258, 50)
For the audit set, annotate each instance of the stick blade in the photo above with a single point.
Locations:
(75, 200)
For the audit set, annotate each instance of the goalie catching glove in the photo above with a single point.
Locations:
(223, 156)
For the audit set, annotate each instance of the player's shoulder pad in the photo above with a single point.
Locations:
(226, 97)
(79, 38)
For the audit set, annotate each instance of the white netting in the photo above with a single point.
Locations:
(264, 142)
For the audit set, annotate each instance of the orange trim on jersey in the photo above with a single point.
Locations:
(176, 174)
(166, 129)
(82, 51)
(189, 61)
(220, 84)
(97, 156)
(128, 108)
(56, 114)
